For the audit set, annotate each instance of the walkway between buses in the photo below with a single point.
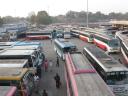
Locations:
(47, 81)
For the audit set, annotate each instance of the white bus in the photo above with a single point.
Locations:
(112, 72)
(67, 35)
(62, 46)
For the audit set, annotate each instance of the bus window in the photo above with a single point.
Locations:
(114, 43)
(117, 78)
(67, 49)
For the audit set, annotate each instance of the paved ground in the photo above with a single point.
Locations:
(47, 81)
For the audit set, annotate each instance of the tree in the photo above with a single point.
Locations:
(43, 18)
(33, 19)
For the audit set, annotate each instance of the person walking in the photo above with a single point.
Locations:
(46, 65)
(57, 61)
(39, 72)
(45, 93)
(57, 80)
(50, 65)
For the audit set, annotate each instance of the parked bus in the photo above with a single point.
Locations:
(84, 35)
(30, 55)
(108, 43)
(8, 91)
(82, 79)
(75, 33)
(27, 43)
(123, 37)
(62, 46)
(67, 35)
(11, 63)
(5, 45)
(40, 54)
(22, 78)
(113, 73)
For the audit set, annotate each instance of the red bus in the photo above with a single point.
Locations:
(82, 79)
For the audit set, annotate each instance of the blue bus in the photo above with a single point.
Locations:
(62, 46)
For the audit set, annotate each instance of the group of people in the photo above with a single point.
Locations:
(56, 77)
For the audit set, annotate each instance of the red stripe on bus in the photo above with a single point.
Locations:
(72, 65)
(101, 46)
(11, 91)
(85, 71)
(67, 83)
(84, 38)
(71, 75)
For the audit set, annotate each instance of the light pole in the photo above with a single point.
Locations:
(87, 14)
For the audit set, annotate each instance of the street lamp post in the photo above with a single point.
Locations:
(87, 14)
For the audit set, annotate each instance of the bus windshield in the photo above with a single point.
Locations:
(117, 78)
(114, 43)
(67, 49)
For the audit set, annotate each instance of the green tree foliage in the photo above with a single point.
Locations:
(43, 18)
(10, 19)
(33, 19)
(1, 21)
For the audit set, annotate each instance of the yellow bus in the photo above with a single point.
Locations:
(22, 78)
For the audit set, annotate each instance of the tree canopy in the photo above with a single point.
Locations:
(43, 18)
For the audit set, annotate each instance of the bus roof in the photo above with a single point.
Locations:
(105, 36)
(80, 62)
(7, 43)
(88, 84)
(24, 43)
(12, 73)
(64, 43)
(107, 62)
(7, 90)
(123, 35)
(13, 63)
(16, 52)
(27, 47)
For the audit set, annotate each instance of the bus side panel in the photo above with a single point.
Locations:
(100, 44)
(125, 57)
(84, 38)
(67, 83)
(11, 92)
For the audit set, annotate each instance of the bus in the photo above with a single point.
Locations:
(84, 35)
(82, 79)
(22, 78)
(27, 43)
(74, 33)
(67, 35)
(107, 43)
(5, 45)
(30, 55)
(62, 46)
(123, 37)
(10, 63)
(114, 73)
(8, 91)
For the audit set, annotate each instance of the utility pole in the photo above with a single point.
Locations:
(87, 14)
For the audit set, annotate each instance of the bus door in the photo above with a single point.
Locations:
(28, 82)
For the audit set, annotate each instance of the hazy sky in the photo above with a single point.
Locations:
(56, 7)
